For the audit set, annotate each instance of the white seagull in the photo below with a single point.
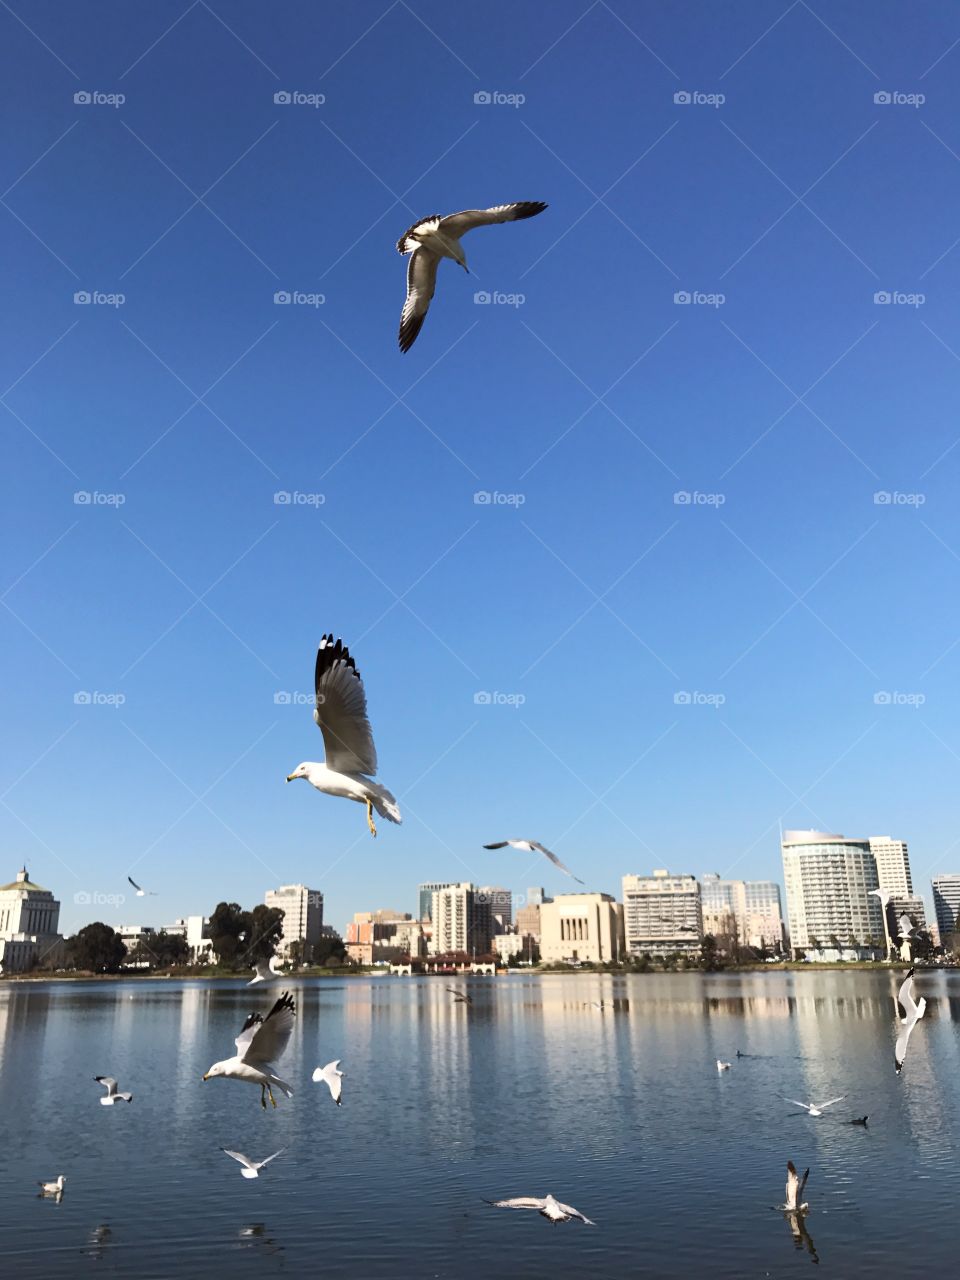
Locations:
(251, 1168)
(793, 1201)
(350, 756)
(534, 846)
(142, 893)
(548, 1207)
(723, 1066)
(460, 997)
(814, 1108)
(905, 925)
(914, 1010)
(261, 1040)
(433, 238)
(52, 1188)
(331, 1077)
(111, 1096)
(264, 971)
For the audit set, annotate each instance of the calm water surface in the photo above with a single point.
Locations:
(530, 1091)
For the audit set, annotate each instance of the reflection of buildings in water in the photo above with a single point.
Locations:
(24, 1011)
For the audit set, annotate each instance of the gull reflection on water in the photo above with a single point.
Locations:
(796, 1221)
(255, 1237)
(99, 1239)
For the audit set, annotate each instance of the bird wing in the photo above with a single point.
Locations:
(805, 1105)
(905, 996)
(802, 1186)
(458, 224)
(793, 1183)
(905, 925)
(270, 1038)
(518, 1202)
(555, 860)
(273, 965)
(421, 284)
(570, 1212)
(499, 844)
(241, 1158)
(247, 1032)
(341, 710)
(269, 1158)
(108, 1083)
(823, 1105)
(134, 883)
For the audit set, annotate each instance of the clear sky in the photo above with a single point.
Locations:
(783, 599)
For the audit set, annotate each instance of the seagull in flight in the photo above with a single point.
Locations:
(814, 1108)
(433, 238)
(905, 925)
(111, 1095)
(547, 1207)
(331, 1077)
(349, 754)
(142, 893)
(795, 1207)
(534, 846)
(260, 1042)
(251, 1168)
(914, 1011)
(460, 997)
(265, 971)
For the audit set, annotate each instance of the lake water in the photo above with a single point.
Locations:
(531, 1090)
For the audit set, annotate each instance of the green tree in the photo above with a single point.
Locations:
(328, 951)
(241, 938)
(96, 947)
(168, 949)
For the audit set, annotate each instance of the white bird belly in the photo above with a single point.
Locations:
(346, 785)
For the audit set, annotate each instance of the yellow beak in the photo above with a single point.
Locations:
(289, 777)
(204, 1078)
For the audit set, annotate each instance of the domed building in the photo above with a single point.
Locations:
(29, 922)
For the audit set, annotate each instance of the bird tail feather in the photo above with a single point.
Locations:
(385, 803)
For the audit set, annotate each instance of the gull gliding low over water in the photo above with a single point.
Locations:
(251, 1168)
(534, 846)
(350, 758)
(914, 1011)
(260, 1042)
(814, 1108)
(547, 1207)
(433, 238)
(112, 1096)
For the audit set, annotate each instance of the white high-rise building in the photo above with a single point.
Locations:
(662, 914)
(829, 881)
(893, 866)
(462, 920)
(946, 904)
(302, 914)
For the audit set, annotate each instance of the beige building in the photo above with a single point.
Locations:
(748, 910)
(893, 866)
(581, 926)
(29, 923)
(462, 920)
(662, 914)
(302, 914)
(830, 882)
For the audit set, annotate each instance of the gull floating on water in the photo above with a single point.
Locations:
(141, 893)
(723, 1066)
(331, 1077)
(251, 1168)
(265, 971)
(548, 1207)
(112, 1096)
(914, 1011)
(260, 1042)
(534, 846)
(433, 238)
(460, 997)
(52, 1188)
(814, 1108)
(350, 758)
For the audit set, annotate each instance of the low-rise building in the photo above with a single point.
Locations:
(374, 937)
(585, 927)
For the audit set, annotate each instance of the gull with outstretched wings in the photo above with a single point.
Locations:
(814, 1108)
(331, 1076)
(534, 846)
(265, 971)
(914, 1011)
(350, 758)
(546, 1206)
(261, 1041)
(794, 1209)
(251, 1168)
(111, 1096)
(460, 997)
(433, 238)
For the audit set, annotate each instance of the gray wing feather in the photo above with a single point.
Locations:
(458, 224)
(421, 284)
(341, 711)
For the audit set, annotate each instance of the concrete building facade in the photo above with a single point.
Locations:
(29, 925)
(946, 904)
(893, 866)
(830, 881)
(662, 914)
(302, 914)
(581, 926)
(462, 920)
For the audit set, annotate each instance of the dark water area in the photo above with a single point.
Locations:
(530, 1090)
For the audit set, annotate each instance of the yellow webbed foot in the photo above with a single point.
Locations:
(370, 823)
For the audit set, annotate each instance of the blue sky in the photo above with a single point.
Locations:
(783, 598)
